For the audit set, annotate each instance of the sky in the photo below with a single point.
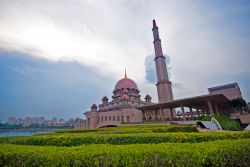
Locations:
(57, 58)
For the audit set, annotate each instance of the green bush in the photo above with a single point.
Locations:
(217, 153)
(175, 129)
(118, 139)
(135, 129)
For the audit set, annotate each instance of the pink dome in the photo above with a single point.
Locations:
(125, 83)
(105, 98)
(94, 106)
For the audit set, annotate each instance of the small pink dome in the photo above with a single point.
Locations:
(125, 83)
(147, 97)
(94, 106)
(105, 98)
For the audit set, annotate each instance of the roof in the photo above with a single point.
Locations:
(223, 87)
(125, 83)
(196, 101)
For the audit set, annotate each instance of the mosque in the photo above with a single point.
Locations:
(127, 107)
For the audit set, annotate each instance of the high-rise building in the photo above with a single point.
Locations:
(11, 121)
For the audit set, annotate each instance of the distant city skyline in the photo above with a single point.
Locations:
(40, 121)
(59, 57)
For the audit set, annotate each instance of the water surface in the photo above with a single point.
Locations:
(25, 132)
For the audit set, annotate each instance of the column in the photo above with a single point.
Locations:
(162, 113)
(191, 112)
(172, 115)
(210, 108)
(143, 113)
(183, 113)
(155, 115)
(216, 109)
(198, 113)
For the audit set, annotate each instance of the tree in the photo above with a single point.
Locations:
(248, 107)
(238, 103)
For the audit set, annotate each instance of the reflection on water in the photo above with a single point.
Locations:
(25, 132)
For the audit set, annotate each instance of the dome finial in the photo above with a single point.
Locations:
(125, 73)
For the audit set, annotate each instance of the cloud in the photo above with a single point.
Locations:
(150, 69)
(34, 87)
(44, 31)
(206, 41)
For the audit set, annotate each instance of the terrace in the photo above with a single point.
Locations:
(199, 105)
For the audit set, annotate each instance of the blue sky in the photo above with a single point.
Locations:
(59, 57)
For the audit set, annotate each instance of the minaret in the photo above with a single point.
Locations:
(164, 88)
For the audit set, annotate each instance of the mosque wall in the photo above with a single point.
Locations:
(115, 118)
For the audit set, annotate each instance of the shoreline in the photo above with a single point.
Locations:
(31, 129)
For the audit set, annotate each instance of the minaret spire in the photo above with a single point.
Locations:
(154, 23)
(125, 73)
(164, 87)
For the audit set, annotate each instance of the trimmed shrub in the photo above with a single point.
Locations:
(118, 139)
(134, 129)
(217, 153)
(175, 129)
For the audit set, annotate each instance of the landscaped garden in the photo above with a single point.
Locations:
(148, 145)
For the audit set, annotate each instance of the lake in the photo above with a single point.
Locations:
(25, 132)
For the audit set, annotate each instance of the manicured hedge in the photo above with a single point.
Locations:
(175, 129)
(135, 129)
(217, 153)
(118, 139)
